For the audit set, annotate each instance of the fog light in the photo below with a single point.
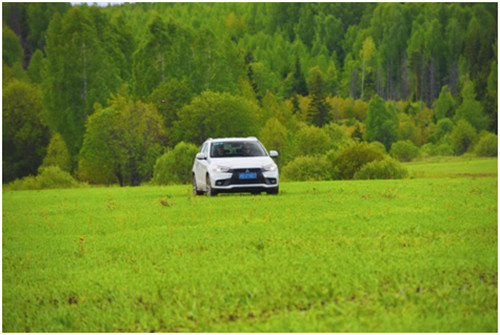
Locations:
(219, 182)
(272, 181)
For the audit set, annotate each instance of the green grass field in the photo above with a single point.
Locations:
(415, 255)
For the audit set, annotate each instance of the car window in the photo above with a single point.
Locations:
(237, 149)
(204, 149)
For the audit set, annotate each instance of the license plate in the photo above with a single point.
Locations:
(248, 175)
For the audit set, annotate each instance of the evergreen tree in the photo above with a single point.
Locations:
(318, 108)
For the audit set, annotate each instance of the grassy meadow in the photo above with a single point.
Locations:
(414, 255)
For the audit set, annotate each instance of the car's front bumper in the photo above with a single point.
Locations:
(230, 182)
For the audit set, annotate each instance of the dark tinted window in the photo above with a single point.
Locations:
(237, 149)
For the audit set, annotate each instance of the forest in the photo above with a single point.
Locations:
(125, 94)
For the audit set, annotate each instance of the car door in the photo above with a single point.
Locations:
(201, 167)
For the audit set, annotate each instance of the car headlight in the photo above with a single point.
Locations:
(270, 167)
(220, 169)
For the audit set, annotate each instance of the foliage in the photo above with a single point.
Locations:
(174, 166)
(57, 154)
(12, 51)
(487, 146)
(351, 159)
(80, 71)
(24, 136)
(404, 151)
(444, 126)
(444, 105)
(213, 114)
(382, 169)
(380, 67)
(274, 136)
(121, 144)
(438, 149)
(381, 123)
(471, 110)
(307, 168)
(169, 98)
(50, 177)
(311, 140)
(462, 137)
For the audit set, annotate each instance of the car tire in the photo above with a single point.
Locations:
(195, 187)
(210, 191)
(274, 191)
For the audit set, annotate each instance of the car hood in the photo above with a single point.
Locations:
(243, 162)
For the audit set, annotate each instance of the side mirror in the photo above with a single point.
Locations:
(201, 156)
(273, 153)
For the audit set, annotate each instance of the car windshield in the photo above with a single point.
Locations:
(237, 149)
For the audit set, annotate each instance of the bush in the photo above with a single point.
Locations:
(305, 168)
(310, 141)
(57, 154)
(384, 169)
(174, 167)
(462, 137)
(444, 126)
(439, 149)
(51, 177)
(404, 151)
(487, 146)
(349, 160)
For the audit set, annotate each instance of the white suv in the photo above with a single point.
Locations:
(235, 165)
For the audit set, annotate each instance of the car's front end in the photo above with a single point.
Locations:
(235, 165)
(256, 175)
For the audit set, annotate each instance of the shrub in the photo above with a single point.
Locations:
(310, 141)
(444, 126)
(384, 169)
(487, 146)
(462, 137)
(349, 160)
(404, 151)
(174, 167)
(51, 177)
(306, 168)
(439, 149)
(57, 154)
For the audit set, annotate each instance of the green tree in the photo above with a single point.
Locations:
(35, 69)
(12, 51)
(463, 137)
(214, 114)
(274, 136)
(169, 98)
(24, 137)
(470, 109)
(444, 105)
(122, 143)
(381, 122)
(57, 154)
(319, 109)
(174, 166)
(78, 73)
(366, 53)
(311, 140)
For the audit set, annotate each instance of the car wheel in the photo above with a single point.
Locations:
(210, 190)
(274, 191)
(195, 187)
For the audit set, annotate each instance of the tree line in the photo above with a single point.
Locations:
(105, 92)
